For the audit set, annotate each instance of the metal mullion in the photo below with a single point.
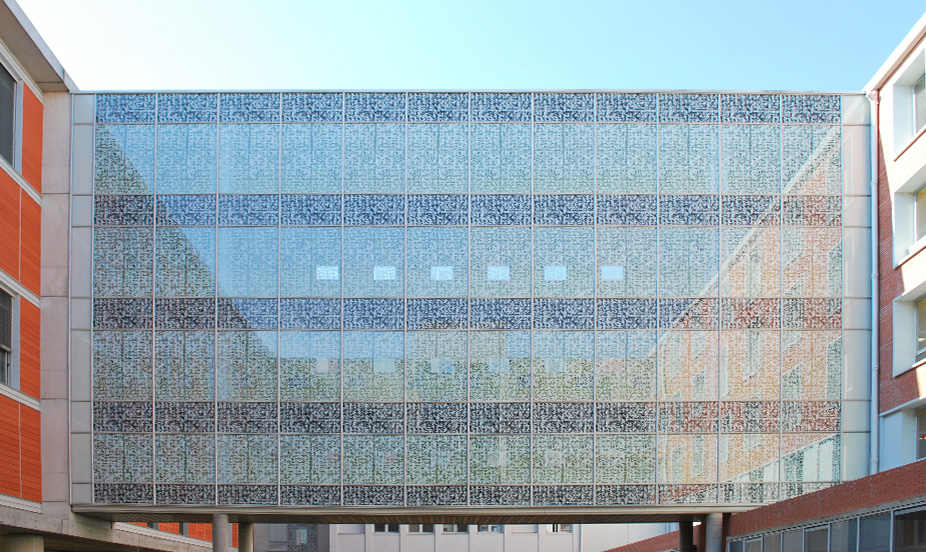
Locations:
(781, 302)
(405, 314)
(656, 401)
(279, 301)
(719, 260)
(215, 293)
(341, 300)
(595, 299)
(530, 388)
(469, 288)
(154, 252)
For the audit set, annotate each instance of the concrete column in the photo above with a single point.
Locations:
(245, 537)
(685, 536)
(713, 528)
(220, 533)
(22, 543)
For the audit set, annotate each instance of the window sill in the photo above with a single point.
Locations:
(20, 397)
(912, 251)
(909, 144)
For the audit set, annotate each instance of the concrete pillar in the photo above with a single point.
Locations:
(685, 536)
(713, 529)
(245, 537)
(22, 543)
(219, 532)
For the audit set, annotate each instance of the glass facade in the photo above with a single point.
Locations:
(476, 299)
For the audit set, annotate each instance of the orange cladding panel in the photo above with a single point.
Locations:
(30, 273)
(31, 432)
(30, 325)
(9, 447)
(32, 139)
(9, 225)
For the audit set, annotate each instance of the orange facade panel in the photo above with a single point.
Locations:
(32, 139)
(30, 325)
(201, 531)
(9, 447)
(31, 435)
(9, 225)
(30, 272)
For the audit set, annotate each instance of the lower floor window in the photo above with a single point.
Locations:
(921, 433)
(6, 338)
(386, 528)
(421, 528)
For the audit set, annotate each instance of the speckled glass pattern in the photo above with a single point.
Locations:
(483, 299)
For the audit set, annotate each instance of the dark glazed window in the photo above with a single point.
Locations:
(6, 337)
(910, 531)
(921, 433)
(7, 113)
(874, 533)
(386, 528)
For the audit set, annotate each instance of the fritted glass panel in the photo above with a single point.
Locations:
(626, 366)
(374, 159)
(626, 159)
(124, 159)
(501, 159)
(247, 365)
(689, 159)
(249, 159)
(625, 459)
(310, 366)
(811, 365)
(310, 459)
(374, 262)
(373, 459)
(563, 368)
(123, 458)
(750, 262)
(499, 365)
(185, 262)
(812, 262)
(562, 265)
(122, 365)
(810, 457)
(811, 159)
(688, 261)
(564, 158)
(436, 369)
(248, 262)
(500, 459)
(437, 262)
(562, 459)
(688, 365)
(751, 159)
(686, 458)
(310, 262)
(438, 158)
(122, 262)
(501, 262)
(436, 460)
(185, 459)
(626, 262)
(311, 159)
(749, 457)
(374, 366)
(247, 459)
(186, 159)
(184, 365)
(750, 365)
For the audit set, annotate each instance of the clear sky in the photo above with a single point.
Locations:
(472, 44)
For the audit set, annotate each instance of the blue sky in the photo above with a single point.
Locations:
(475, 44)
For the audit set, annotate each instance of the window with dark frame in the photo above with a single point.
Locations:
(6, 338)
(386, 528)
(7, 114)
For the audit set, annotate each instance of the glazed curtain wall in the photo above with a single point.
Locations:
(464, 298)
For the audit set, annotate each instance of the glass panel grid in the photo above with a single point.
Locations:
(468, 307)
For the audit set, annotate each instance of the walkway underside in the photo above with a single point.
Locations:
(469, 515)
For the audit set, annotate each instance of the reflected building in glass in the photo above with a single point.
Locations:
(467, 300)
